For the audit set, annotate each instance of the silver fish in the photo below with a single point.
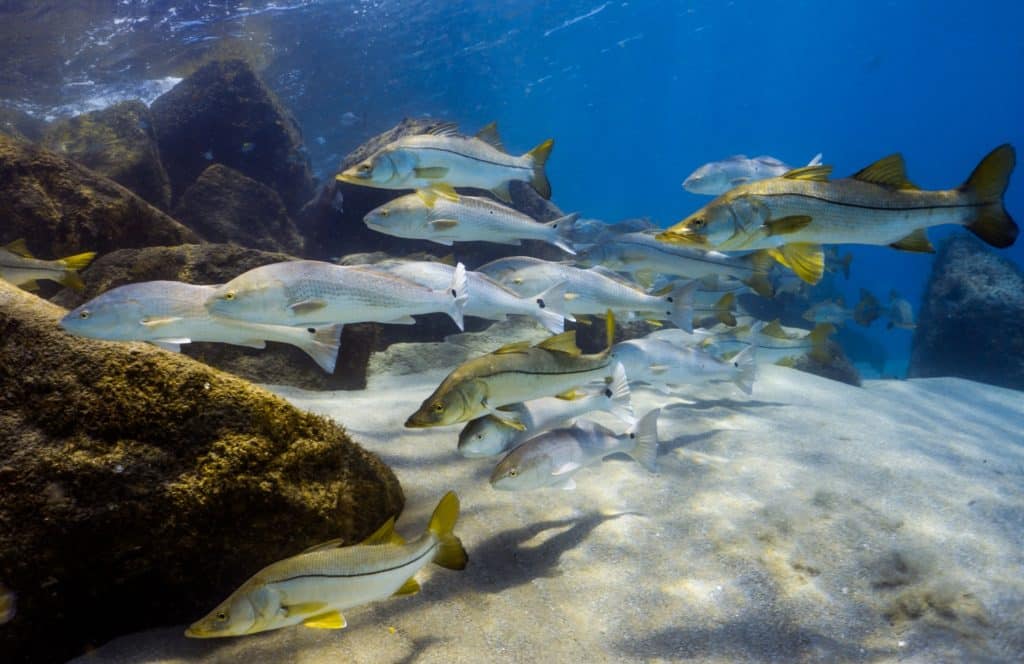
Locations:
(551, 459)
(717, 177)
(901, 313)
(488, 436)
(21, 268)
(170, 313)
(667, 365)
(304, 292)
(442, 216)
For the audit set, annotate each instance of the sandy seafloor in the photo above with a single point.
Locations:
(813, 521)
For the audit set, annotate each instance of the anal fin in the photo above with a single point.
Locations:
(916, 242)
(329, 620)
(410, 587)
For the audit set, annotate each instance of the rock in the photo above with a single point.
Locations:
(61, 207)
(839, 367)
(18, 124)
(224, 113)
(117, 142)
(969, 324)
(278, 364)
(333, 221)
(141, 487)
(225, 206)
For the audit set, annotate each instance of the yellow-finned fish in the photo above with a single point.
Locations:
(21, 268)
(513, 373)
(444, 157)
(314, 587)
(794, 214)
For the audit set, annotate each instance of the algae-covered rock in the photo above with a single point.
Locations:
(18, 124)
(838, 367)
(141, 487)
(117, 142)
(225, 206)
(333, 221)
(224, 113)
(61, 207)
(215, 264)
(969, 324)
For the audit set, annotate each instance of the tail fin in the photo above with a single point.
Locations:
(645, 434)
(323, 346)
(553, 321)
(819, 342)
(540, 156)
(458, 292)
(987, 184)
(745, 363)
(450, 553)
(617, 397)
(761, 261)
(72, 264)
(563, 226)
(681, 299)
(815, 161)
(556, 299)
(723, 309)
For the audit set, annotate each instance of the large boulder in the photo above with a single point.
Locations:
(61, 207)
(117, 142)
(224, 113)
(140, 487)
(278, 364)
(333, 221)
(225, 206)
(970, 320)
(19, 124)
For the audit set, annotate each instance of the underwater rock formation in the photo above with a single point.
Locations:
(61, 207)
(969, 324)
(117, 142)
(224, 113)
(333, 221)
(19, 124)
(839, 367)
(278, 364)
(225, 206)
(153, 482)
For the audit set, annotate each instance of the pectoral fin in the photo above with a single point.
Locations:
(916, 241)
(430, 172)
(566, 468)
(410, 587)
(568, 485)
(329, 620)
(157, 322)
(571, 395)
(658, 368)
(787, 225)
(307, 307)
(444, 224)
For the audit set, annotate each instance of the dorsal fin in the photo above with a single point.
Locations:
(517, 347)
(428, 196)
(818, 173)
(19, 247)
(890, 172)
(444, 129)
(447, 260)
(774, 329)
(562, 343)
(489, 134)
(384, 535)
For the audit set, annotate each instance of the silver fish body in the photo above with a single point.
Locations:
(305, 292)
(551, 459)
(172, 313)
(667, 365)
(717, 177)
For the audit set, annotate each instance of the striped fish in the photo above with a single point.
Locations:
(21, 268)
(314, 587)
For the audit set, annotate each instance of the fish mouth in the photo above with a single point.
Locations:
(350, 176)
(416, 421)
(682, 235)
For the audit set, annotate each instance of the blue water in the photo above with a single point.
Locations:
(636, 94)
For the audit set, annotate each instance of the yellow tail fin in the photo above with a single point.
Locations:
(540, 156)
(450, 553)
(72, 264)
(723, 310)
(987, 184)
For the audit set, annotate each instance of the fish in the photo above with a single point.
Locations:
(793, 215)
(835, 311)
(551, 459)
(511, 374)
(308, 292)
(775, 344)
(867, 310)
(641, 252)
(442, 156)
(348, 119)
(248, 147)
(8, 604)
(489, 436)
(314, 587)
(441, 215)
(21, 268)
(901, 313)
(586, 232)
(836, 263)
(488, 299)
(170, 313)
(717, 177)
(665, 364)
(502, 270)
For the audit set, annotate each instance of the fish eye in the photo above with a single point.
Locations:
(363, 168)
(221, 616)
(438, 407)
(383, 213)
(230, 295)
(698, 222)
(83, 314)
(513, 472)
